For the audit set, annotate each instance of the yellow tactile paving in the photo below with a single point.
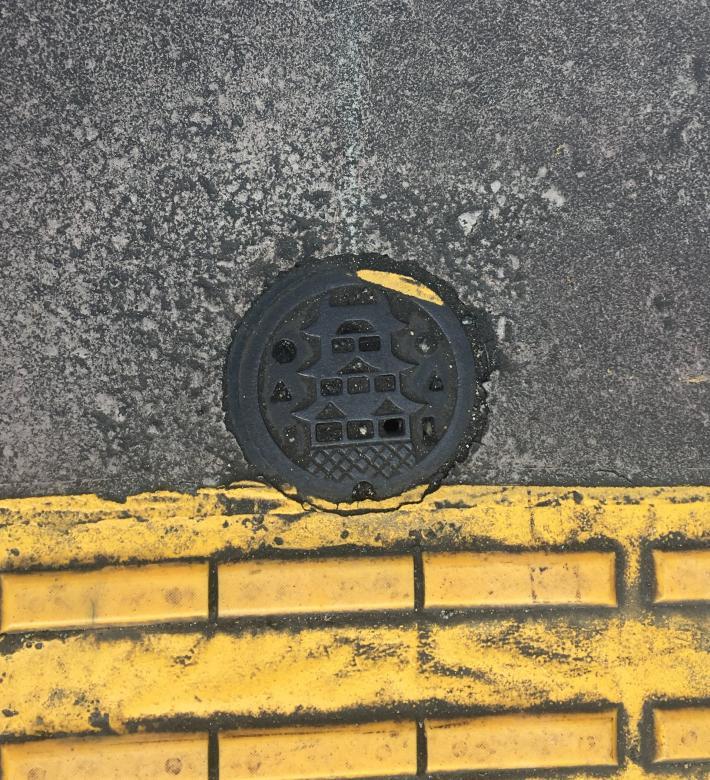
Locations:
(682, 575)
(112, 596)
(355, 751)
(497, 579)
(320, 585)
(523, 741)
(518, 548)
(144, 757)
(682, 734)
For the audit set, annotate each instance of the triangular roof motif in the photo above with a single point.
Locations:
(330, 412)
(387, 407)
(281, 392)
(358, 366)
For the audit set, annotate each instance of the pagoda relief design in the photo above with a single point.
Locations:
(358, 380)
(360, 420)
(353, 390)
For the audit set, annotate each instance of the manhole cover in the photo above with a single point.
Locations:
(350, 381)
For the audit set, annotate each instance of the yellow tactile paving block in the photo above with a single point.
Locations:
(320, 585)
(500, 579)
(355, 751)
(682, 734)
(682, 576)
(112, 596)
(523, 741)
(145, 757)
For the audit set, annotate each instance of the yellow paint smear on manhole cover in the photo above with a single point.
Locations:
(482, 629)
(401, 284)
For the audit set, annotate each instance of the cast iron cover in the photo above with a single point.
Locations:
(348, 380)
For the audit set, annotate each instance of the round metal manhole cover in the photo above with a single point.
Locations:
(348, 381)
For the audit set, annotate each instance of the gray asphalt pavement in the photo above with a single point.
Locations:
(160, 163)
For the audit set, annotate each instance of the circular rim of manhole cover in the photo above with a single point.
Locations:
(355, 378)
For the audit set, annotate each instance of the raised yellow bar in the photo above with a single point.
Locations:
(501, 579)
(138, 757)
(318, 585)
(682, 734)
(371, 750)
(523, 741)
(682, 575)
(114, 596)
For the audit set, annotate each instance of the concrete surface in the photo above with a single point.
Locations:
(159, 163)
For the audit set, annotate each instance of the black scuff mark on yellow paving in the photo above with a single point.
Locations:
(244, 506)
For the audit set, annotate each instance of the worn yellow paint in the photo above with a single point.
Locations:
(621, 660)
(523, 741)
(59, 531)
(682, 576)
(60, 684)
(465, 579)
(115, 596)
(401, 284)
(139, 757)
(268, 587)
(370, 750)
(682, 734)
